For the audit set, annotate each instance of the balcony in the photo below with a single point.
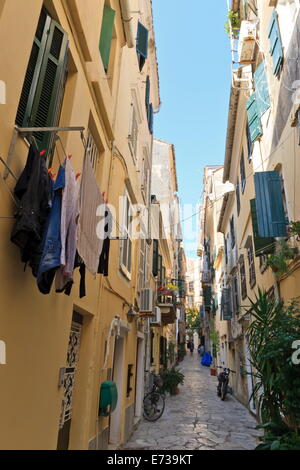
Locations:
(166, 301)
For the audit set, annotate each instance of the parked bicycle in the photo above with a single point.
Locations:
(154, 401)
(223, 385)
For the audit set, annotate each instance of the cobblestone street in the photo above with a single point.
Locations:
(197, 419)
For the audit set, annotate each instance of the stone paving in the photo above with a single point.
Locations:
(197, 419)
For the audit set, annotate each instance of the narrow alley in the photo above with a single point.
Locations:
(197, 419)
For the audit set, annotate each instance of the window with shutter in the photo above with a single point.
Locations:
(151, 119)
(155, 258)
(42, 93)
(126, 247)
(243, 278)
(255, 126)
(249, 143)
(271, 216)
(133, 132)
(226, 304)
(147, 97)
(106, 35)
(243, 173)
(261, 89)
(207, 294)
(276, 49)
(251, 261)
(232, 232)
(238, 197)
(142, 44)
(263, 246)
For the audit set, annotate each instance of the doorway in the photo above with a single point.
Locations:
(69, 382)
(118, 378)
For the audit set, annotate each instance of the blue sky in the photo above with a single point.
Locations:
(194, 68)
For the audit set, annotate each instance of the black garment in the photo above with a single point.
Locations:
(68, 288)
(104, 257)
(34, 192)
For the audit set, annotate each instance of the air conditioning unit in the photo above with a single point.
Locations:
(146, 302)
(247, 41)
(156, 320)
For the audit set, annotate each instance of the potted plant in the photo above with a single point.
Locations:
(278, 262)
(171, 379)
(233, 23)
(294, 229)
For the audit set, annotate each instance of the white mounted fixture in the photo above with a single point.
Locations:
(156, 320)
(146, 301)
(247, 42)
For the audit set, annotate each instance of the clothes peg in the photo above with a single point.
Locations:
(78, 176)
(42, 153)
(50, 170)
(70, 156)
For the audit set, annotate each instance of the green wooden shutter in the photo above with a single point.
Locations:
(147, 98)
(33, 71)
(255, 126)
(261, 89)
(51, 80)
(276, 49)
(155, 258)
(263, 246)
(106, 34)
(226, 305)
(160, 267)
(142, 41)
(207, 294)
(269, 204)
(150, 122)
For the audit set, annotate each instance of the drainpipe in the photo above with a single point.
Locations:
(127, 19)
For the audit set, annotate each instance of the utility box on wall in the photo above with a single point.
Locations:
(108, 398)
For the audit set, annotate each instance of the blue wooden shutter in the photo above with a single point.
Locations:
(142, 41)
(255, 127)
(276, 49)
(261, 89)
(263, 246)
(106, 34)
(269, 204)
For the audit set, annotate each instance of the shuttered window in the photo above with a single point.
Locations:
(226, 305)
(150, 120)
(232, 232)
(238, 197)
(42, 92)
(249, 143)
(276, 49)
(255, 127)
(126, 251)
(251, 261)
(147, 97)
(271, 217)
(142, 44)
(261, 89)
(263, 246)
(243, 173)
(207, 294)
(106, 35)
(243, 278)
(155, 258)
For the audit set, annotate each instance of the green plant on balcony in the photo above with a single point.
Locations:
(171, 379)
(278, 262)
(294, 229)
(233, 23)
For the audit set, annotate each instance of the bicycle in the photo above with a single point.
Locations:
(223, 384)
(154, 401)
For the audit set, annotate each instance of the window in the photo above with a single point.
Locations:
(238, 197)
(235, 296)
(129, 378)
(271, 213)
(126, 251)
(106, 35)
(243, 172)
(262, 245)
(142, 45)
(250, 253)
(93, 150)
(43, 88)
(232, 232)
(145, 177)
(243, 278)
(133, 133)
(142, 263)
(155, 258)
(276, 50)
(249, 143)
(226, 248)
(258, 103)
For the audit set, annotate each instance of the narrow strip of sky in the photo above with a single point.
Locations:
(194, 69)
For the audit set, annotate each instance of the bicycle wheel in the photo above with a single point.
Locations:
(224, 390)
(154, 405)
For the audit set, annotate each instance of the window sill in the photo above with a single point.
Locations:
(125, 272)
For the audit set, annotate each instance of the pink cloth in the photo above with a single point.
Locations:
(89, 245)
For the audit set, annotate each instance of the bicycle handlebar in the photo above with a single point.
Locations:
(221, 367)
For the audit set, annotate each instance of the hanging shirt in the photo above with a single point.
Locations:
(104, 258)
(69, 214)
(89, 244)
(51, 244)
